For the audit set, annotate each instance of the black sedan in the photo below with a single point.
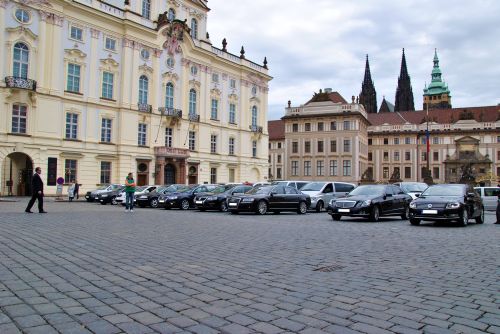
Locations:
(372, 201)
(447, 202)
(109, 196)
(270, 198)
(217, 199)
(152, 199)
(184, 199)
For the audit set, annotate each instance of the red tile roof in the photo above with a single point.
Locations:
(276, 129)
(441, 116)
(336, 97)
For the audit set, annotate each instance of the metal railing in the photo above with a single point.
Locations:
(256, 128)
(171, 112)
(144, 107)
(194, 118)
(17, 82)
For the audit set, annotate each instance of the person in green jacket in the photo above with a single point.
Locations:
(129, 192)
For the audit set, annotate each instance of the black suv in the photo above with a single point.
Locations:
(109, 196)
(185, 199)
(152, 199)
(217, 199)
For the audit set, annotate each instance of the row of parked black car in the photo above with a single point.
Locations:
(446, 202)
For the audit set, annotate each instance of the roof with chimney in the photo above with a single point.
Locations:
(335, 97)
(276, 129)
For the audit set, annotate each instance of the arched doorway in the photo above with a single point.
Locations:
(17, 172)
(169, 174)
(192, 175)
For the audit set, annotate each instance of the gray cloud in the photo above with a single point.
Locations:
(317, 44)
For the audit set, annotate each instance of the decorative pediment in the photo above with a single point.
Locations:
(215, 92)
(109, 63)
(22, 32)
(170, 76)
(75, 54)
(173, 33)
(195, 83)
(174, 3)
(255, 100)
(256, 79)
(36, 2)
(467, 140)
(233, 97)
(144, 68)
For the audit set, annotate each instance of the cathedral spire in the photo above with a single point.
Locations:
(368, 95)
(404, 93)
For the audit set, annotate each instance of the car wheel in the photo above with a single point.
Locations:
(185, 204)
(414, 221)
(113, 200)
(480, 218)
(375, 214)
(302, 208)
(464, 217)
(406, 213)
(223, 206)
(319, 206)
(154, 203)
(262, 207)
(336, 217)
(103, 203)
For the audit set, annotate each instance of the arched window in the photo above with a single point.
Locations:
(146, 8)
(192, 102)
(143, 89)
(21, 60)
(169, 96)
(194, 29)
(254, 116)
(171, 14)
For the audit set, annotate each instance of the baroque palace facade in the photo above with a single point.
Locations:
(92, 90)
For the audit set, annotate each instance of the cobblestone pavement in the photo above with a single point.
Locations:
(87, 268)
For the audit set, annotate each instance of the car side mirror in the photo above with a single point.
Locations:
(272, 193)
(470, 195)
(417, 195)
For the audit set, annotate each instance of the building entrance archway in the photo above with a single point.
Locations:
(17, 173)
(169, 174)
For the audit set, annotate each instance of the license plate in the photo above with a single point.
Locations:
(430, 212)
(233, 204)
(344, 210)
(199, 202)
(161, 200)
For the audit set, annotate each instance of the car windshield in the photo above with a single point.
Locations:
(313, 186)
(367, 190)
(183, 189)
(141, 188)
(413, 187)
(260, 190)
(221, 189)
(275, 183)
(444, 190)
(102, 187)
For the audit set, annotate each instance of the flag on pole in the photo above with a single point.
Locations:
(427, 136)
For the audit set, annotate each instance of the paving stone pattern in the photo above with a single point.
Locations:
(86, 268)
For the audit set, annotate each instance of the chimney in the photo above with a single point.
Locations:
(328, 90)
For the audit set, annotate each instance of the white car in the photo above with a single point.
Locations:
(138, 192)
(414, 189)
(489, 196)
(322, 193)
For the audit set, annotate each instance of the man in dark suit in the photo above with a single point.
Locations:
(37, 192)
(498, 208)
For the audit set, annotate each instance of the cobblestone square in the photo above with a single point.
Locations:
(87, 268)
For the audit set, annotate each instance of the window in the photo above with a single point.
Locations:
(192, 102)
(171, 14)
(192, 140)
(232, 113)
(307, 146)
(19, 117)
(232, 83)
(107, 85)
(22, 15)
(307, 168)
(386, 141)
(76, 33)
(435, 156)
(370, 156)
(70, 170)
(105, 172)
(347, 125)
(333, 146)
(254, 90)
(370, 141)
(21, 61)
(215, 77)
(407, 140)
(146, 8)
(347, 145)
(435, 172)
(386, 156)
(73, 81)
(407, 156)
(295, 127)
(307, 127)
(295, 168)
(435, 140)
(279, 145)
(145, 54)
(424, 140)
(254, 116)
(320, 126)
(254, 149)
(396, 156)
(213, 175)
(407, 172)
(231, 146)
(295, 147)
(170, 62)
(396, 141)
(320, 146)
(279, 158)
(143, 89)
(498, 139)
(142, 132)
(232, 173)
(110, 44)
(320, 168)
(213, 144)
(169, 96)
(278, 173)
(106, 130)
(194, 70)
(215, 107)
(169, 137)
(194, 29)
(333, 167)
(424, 156)
(71, 126)
(333, 126)
(347, 167)
(385, 172)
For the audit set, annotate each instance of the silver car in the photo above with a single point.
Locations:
(489, 196)
(322, 193)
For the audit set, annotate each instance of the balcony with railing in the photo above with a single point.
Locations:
(170, 112)
(256, 128)
(194, 118)
(22, 83)
(144, 107)
(171, 152)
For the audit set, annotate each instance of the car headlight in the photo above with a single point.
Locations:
(144, 197)
(104, 195)
(172, 197)
(453, 205)
(413, 205)
(248, 200)
(212, 198)
(366, 203)
(332, 203)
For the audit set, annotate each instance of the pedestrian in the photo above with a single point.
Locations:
(129, 192)
(36, 192)
(71, 192)
(75, 191)
(498, 208)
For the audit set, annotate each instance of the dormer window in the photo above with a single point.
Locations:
(194, 28)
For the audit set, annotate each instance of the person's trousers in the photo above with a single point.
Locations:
(498, 213)
(129, 201)
(35, 197)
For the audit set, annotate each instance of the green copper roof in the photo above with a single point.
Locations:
(437, 85)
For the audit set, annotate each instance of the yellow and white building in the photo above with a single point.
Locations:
(91, 90)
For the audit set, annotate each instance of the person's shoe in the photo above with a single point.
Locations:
(28, 211)
(43, 212)
(131, 210)
(497, 223)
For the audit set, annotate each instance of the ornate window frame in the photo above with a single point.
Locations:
(111, 66)
(75, 56)
(26, 36)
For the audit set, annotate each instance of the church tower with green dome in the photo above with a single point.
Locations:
(437, 95)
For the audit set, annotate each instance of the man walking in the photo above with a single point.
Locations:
(129, 192)
(75, 191)
(37, 192)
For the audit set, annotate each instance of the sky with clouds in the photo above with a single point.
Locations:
(323, 43)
